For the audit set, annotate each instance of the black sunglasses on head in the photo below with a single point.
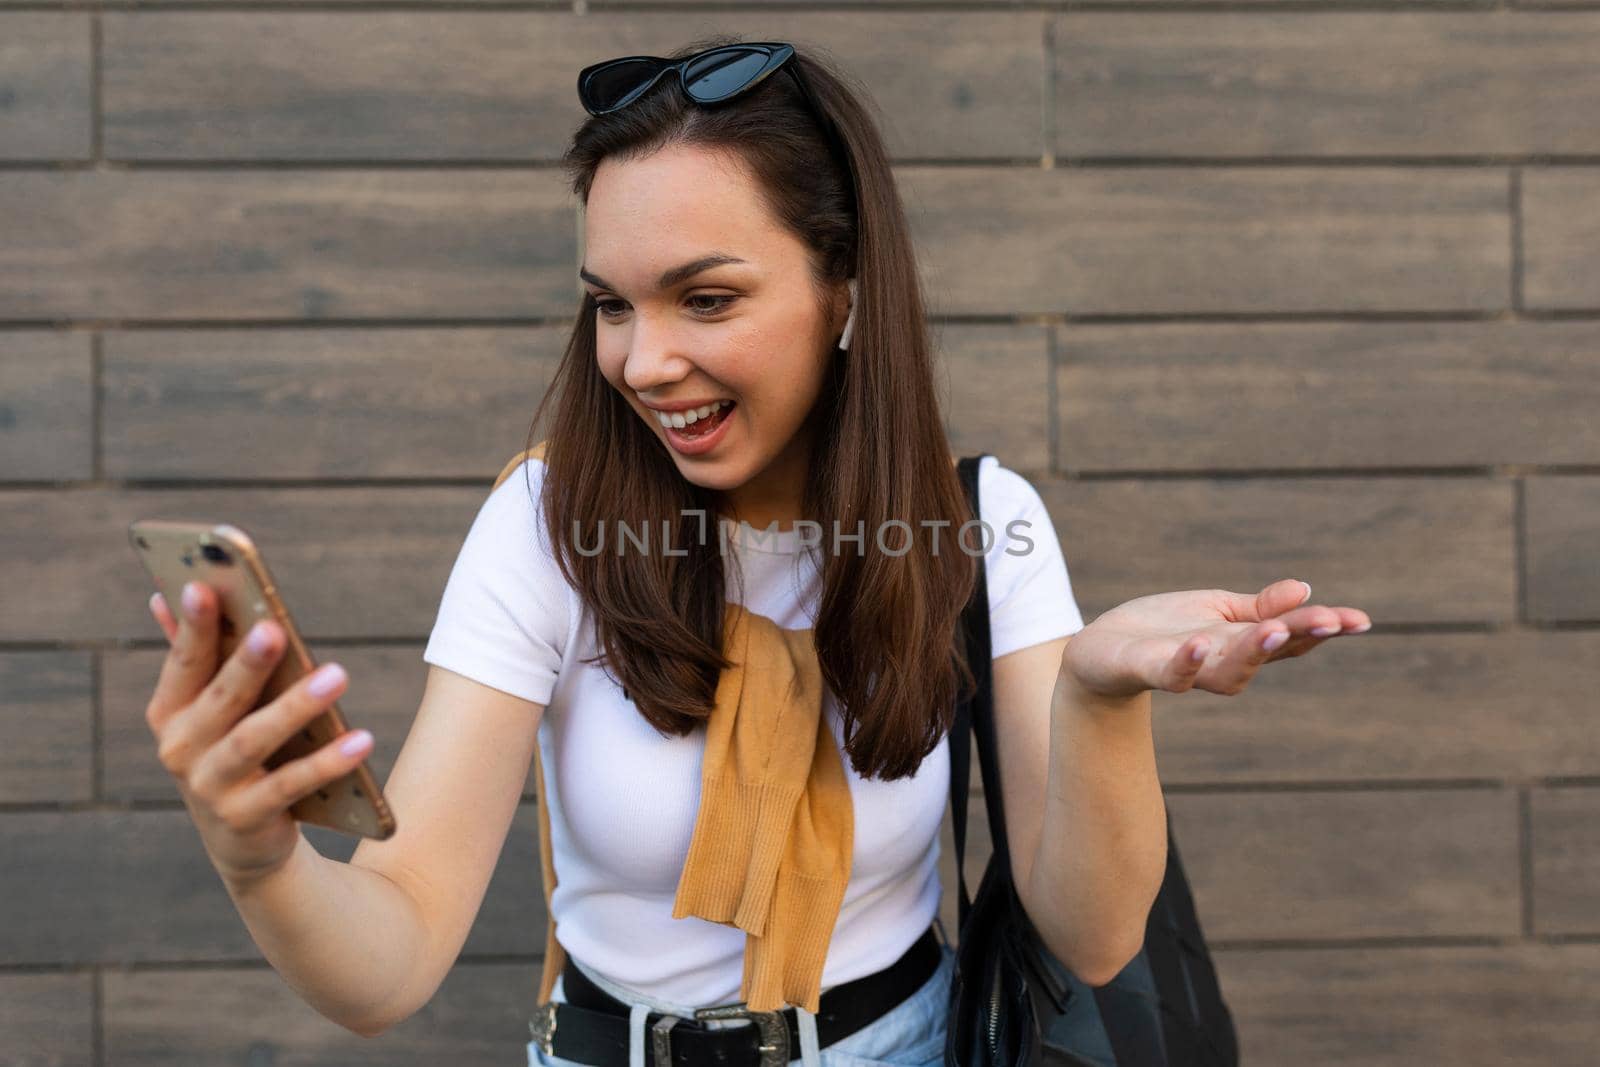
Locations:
(708, 77)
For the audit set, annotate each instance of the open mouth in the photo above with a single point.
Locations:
(702, 427)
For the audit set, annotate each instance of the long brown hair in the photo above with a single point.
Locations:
(886, 625)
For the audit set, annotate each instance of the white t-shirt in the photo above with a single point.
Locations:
(623, 799)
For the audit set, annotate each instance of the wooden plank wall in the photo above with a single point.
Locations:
(1250, 290)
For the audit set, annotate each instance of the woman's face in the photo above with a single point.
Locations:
(743, 327)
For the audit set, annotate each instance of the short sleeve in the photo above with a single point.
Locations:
(503, 618)
(1030, 593)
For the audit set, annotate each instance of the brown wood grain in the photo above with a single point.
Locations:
(435, 85)
(154, 1018)
(47, 1019)
(45, 106)
(1380, 706)
(286, 245)
(122, 887)
(353, 562)
(1242, 84)
(1560, 231)
(1181, 240)
(1337, 395)
(46, 406)
(1394, 1006)
(1404, 549)
(994, 383)
(48, 753)
(1351, 864)
(1560, 517)
(1566, 858)
(329, 404)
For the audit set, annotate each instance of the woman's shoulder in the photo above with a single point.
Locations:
(1004, 493)
(531, 458)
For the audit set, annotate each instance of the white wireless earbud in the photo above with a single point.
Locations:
(850, 320)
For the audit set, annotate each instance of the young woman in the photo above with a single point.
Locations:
(747, 258)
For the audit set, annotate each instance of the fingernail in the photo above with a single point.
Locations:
(1324, 631)
(1199, 652)
(191, 599)
(155, 598)
(259, 639)
(1275, 640)
(1308, 590)
(355, 743)
(1363, 628)
(325, 679)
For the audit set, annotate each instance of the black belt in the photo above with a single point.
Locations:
(591, 1027)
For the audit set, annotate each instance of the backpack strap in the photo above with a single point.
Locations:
(974, 631)
(536, 452)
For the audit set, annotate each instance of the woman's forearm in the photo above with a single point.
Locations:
(1103, 846)
(349, 940)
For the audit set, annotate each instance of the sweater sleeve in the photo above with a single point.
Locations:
(503, 618)
(1030, 593)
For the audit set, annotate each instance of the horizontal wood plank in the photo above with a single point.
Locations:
(1561, 514)
(1347, 865)
(1325, 395)
(436, 85)
(48, 755)
(46, 406)
(326, 404)
(1566, 859)
(1177, 240)
(45, 81)
(286, 244)
(358, 562)
(47, 1020)
(108, 887)
(1511, 704)
(1245, 84)
(994, 385)
(1561, 238)
(154, 1018)
(1467, 1006)
(1405, 550)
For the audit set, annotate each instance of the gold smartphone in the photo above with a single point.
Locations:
(225, 558)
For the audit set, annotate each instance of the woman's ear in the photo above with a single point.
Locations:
(850, 318)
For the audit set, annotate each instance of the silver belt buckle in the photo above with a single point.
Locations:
(543, 1027)
(661, 1041)
(774, 1046)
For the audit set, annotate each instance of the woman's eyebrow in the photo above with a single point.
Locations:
(674, 276)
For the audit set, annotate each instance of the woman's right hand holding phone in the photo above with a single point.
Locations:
(210, 742)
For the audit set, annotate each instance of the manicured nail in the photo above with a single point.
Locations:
(259, 639)
(1308, 590)
(325, 679)
(1199, 652)
(1275, 640)
(1363, 628)
(191, 599)
(356, 743)
(155, 598)
(1324, 631)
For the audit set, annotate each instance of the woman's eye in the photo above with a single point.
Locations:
(718, 302)
(721, 302)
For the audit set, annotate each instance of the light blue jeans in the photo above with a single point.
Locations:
(910, 1034)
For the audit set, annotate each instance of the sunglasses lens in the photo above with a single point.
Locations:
(723, 73)
(610, 85)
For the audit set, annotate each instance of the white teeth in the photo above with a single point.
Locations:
(680, 419)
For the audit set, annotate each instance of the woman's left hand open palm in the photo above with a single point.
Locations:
(1149, 642)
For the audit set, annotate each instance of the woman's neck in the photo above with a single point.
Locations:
(777, 494)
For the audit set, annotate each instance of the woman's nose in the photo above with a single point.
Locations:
(653, 361)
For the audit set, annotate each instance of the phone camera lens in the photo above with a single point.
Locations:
(216, 554)
(142, 542)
